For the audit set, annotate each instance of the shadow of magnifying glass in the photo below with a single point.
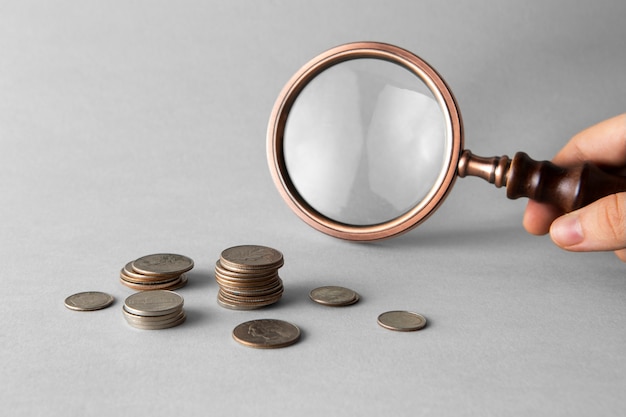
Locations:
(366, 141)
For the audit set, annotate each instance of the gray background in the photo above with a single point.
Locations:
(135, 127)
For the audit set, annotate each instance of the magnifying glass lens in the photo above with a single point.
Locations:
(365, 142)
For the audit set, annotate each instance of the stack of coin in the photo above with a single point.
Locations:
(154, 310)
(248, 277)
(334, 296)
(162, 271)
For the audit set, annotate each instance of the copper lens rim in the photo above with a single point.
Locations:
(285, 101)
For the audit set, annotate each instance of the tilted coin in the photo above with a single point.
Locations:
(181, 284)
(403, 321)
(88, 301)
(162, 264)
(153, 303)
(334, 296)
(266, 333)
(246, 257)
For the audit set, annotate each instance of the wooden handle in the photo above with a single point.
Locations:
(566, 188)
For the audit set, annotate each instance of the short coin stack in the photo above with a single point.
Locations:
(162, 271)
(248, 277)
(334, 296)
(154, 310)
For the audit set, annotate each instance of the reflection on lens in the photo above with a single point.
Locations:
(365, 142)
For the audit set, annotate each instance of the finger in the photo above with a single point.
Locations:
(538, 217)
(598, 226)
(603, 144)
(621, 254)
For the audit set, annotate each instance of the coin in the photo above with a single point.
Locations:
(248, 277)
(141, 323)
(266, 333)
(154, 310)
(334, 296)
(167, 285)
(403, 321)
(150, 319)
(161, 326)
(251, 257)
(156, 272)
(153, 303)
(162, 264)
(88, 301)
(230, 274)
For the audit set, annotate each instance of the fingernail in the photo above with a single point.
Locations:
(566, 231)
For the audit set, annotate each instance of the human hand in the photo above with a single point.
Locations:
(601, 225)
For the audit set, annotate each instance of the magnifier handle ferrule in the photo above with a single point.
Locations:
(493, 169)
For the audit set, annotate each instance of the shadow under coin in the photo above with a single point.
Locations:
(199, 279)
(294, 294)
(195, 316)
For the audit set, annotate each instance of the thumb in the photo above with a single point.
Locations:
(596, 227)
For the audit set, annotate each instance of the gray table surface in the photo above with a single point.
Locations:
(129, 128)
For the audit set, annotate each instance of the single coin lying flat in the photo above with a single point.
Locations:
(266, 334)
(88, 301)
(402, 321)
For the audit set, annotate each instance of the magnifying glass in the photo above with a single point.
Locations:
(366, 141)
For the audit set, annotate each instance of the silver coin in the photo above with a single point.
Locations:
(160, 326)
(402, 321)
(153, 303)
(150, 319)
(138, 320)
(88, 301)
(266, 333)
(162, 264)
(334, 296)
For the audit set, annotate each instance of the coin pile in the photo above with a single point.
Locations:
(162, 271)
(154, 310)
(248, 277)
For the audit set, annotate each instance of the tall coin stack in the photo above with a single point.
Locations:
(162, 271)
(154, 310)
(248, 277)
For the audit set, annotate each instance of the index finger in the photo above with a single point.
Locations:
(602, 144)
